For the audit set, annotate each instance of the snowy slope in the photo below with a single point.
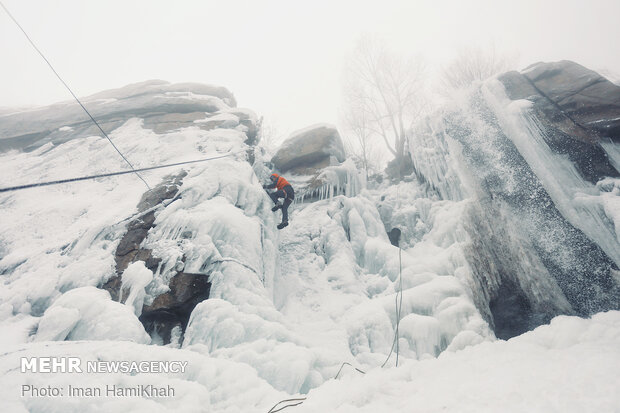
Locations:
(568, 366)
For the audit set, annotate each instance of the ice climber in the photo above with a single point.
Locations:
(284, 190)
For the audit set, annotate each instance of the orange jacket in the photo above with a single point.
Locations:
(281, 182)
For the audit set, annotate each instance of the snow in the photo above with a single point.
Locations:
(215, 101)
(87, 313)
(570, 366)
(135, 278)
(307, 129)
(208, 384)
(71, 243)
(222, 120)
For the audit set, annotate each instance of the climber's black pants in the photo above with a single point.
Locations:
(289, 195)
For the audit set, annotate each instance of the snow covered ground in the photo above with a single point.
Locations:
(286, 308)
(570, 365)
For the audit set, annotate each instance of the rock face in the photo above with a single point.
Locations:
(577, 107)
(162, 105)
(170, 309)
(310, 149)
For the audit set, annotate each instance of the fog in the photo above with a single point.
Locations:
(283, 59)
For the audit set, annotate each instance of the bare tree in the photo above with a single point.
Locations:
(358, 139)
(472, 64)
(270, 136)
(382, 95)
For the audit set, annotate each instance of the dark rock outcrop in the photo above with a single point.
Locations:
(397, 169)
(577, 108)
(309, 150)
(170, 309)
(173, 308)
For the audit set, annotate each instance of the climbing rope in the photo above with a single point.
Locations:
(298, 402)
(302, 399)
(399, 306)
(348, 364)
(399, 293)
(83, 178)
(74, 96)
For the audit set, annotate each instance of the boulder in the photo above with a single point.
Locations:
(309, 150)
(578, 108)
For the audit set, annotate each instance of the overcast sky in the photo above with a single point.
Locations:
(283, 59)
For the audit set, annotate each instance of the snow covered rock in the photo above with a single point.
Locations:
(314, 162)
(88, 313)
(163, 107)
(577, 107)
(309, 149)
(234, 118)
(92, 239)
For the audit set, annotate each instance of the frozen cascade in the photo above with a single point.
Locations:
(135, 278)
(613, 152)
(522, 244)
(558, 175)
(339, 272)
(437, 155)
(335, 180)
